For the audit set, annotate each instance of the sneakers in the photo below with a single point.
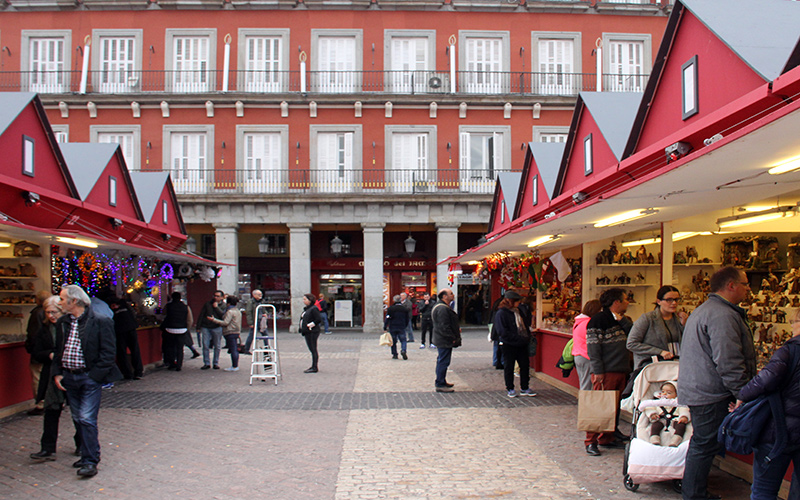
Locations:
(527, 392)
(432, 346)
(328, 332)
(512, 393)
(232, 369)
(422, 346)
(403, 353)
(676, 440)
(109, 385)
(655, 439)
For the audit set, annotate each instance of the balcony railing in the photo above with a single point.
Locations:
(343, 181)
(320, 82)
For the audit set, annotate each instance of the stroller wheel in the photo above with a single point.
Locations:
(677, 485)
(629, 484)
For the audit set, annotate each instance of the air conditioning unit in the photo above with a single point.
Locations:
(438, 81)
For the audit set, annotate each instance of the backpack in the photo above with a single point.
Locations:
(567, 361)
(741, 428)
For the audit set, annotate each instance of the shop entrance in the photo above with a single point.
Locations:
(346, 288)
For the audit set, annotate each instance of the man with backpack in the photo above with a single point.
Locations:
(717, 360)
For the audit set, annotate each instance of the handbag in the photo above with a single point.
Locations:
(597, 411)
(386, 339)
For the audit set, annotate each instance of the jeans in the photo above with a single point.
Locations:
(427, 327)
(401, 336)
(208, 333)
(233, 348)
(497, 354)
(518, 353)
(767, 478)
(706, 420)
(442, 363)
(409, 331)
(325, 321)
(83, 395)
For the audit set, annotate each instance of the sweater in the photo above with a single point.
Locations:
(718, 357)
(605, 343)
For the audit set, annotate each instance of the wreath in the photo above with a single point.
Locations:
(87, 263)
(167, 272)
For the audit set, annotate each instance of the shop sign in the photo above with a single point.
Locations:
(388, 264)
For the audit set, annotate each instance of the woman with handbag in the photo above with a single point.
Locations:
(782, 373)
(515, 335)
(658, 332)
(310, 321)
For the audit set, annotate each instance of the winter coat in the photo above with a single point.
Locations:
(98, 342)
(781, 373)
(425, 309)
(579, 335)
(44, 344)
(396, 318)
(509, 332)
(446, 330)
(650, 336)
(210, 310)
(310, 314)
(231, 322)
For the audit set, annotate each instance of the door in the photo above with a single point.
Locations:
(481, 154)
(409, 65)
(191, 72)
(625, 66)
(263, 64)
(337, 65)
(409, 169)
(48, 74)
(555, 68)
(484, 66)
(125, 142)
(117, 65)
(189, 163)
(334, 163)
(262, 163)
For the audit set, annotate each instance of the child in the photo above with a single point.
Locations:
(664, 416)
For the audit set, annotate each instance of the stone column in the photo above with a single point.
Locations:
(373, 277)
(227, 241)
(446, 246)
(299, 269)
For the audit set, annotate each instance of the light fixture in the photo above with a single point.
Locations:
(5, 244)
(77, 242)
(643, 241)
(31, 199)
(543, 240)
(410, 243)
(677, 150)
(787, 166)
(115, 223)
(473, 263)
(625, 217)
(678, 236)
(166, 237)
(263, 245)
(190, 244)
(336, 245)
(579, 197)
(756, 217)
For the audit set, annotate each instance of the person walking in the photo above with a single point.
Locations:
(211, 331)
(310, 322)
(231, 324)
(782, 373)
(425, 308)
(83, 362)
(125, 326)
(409, 305)
(43, 350)
(718, 359)
(658, 332)
(176, 328)
(323, 307)
(253, 322)
(446, 336)
(395, 323)
(515, 335)
(609, 359)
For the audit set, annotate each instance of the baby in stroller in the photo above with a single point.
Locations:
(662, 417)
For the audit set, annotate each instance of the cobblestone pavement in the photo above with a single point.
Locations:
(364, 427)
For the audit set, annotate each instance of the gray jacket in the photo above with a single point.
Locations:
(649, 336)
(446, 330)
(717, 354)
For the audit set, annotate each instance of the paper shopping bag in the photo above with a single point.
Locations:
(386, 339)
(597, 411)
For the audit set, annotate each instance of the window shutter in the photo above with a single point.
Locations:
(348, 152)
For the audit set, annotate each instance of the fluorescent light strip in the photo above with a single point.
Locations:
(787, 166)
(643, 241)
(544, 240)
(625, 217)
(755, 218)
(77, 242)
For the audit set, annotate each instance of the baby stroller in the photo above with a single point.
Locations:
(645, 462)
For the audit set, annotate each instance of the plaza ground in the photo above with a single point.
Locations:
(364, 427)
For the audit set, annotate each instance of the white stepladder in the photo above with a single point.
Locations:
(265, 362)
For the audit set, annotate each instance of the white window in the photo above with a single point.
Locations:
(263, 57)
(28, 156)
(535, 190)
(189, 157)
(410, 59)
(555, 67)
(485, 61)
(164, 212)
(503, 212)
(626, 61)
(336, 60)
(336, 158)
(191, 61)
(117, 64)
(550, 134)
(484, 152)
(61, 132)
(262, 158)
(588, 160)
(127, 136)
(410, 158)
(46, 60)
(689, 102)
(112, 191)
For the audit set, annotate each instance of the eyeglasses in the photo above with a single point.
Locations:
(672, 300)
(52, 313)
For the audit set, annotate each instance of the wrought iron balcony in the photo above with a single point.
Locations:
(364, 182)
(125, 81)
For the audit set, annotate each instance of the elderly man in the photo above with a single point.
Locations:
(717, 360)
(83, 361)
(409, 305)
(446, 336)
(253, 323)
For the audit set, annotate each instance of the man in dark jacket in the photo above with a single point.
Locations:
(83, 361)
(125, 326)
(513, 329)
(446, 336)
(610, 360)
(425, 308)
(253, 322)
(405, 299)
(395, 323)
(717, 360)
(212, 332)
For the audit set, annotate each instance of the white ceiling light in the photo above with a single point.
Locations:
(787, 166)
(625, 217)
(643, 241)
(77, 242)
(756, 217)
(544, 240)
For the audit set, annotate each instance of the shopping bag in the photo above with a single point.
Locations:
(386, 339)
(597, 411)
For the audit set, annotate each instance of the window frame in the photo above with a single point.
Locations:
(164, 212)
(647, 54)
(357, 148)
(97, 42)
(136, 146)
(504, 130)
(688, 113)
(577, 64)
(389, 132)
(505, 57)
(169, 55)
(358, 36)
(28, 156)
(25, 55)
(241, 59)
(535, 190)
(588, 155)
(60, 129)
(389, 35)
(167, 158)
(539, 131)
(112, 191)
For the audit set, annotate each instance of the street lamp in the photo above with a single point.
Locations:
(410, 243)
(336, 245)
(263, 245)
(190, 244)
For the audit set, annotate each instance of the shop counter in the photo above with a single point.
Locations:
(16, 375)
(150, 344)
(550, 346)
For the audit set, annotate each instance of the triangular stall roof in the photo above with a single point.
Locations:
(539, 175)
(505, 198)
(24, 128)
(604, 119)
(105, 187)
(749, 41)
(159, 204)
